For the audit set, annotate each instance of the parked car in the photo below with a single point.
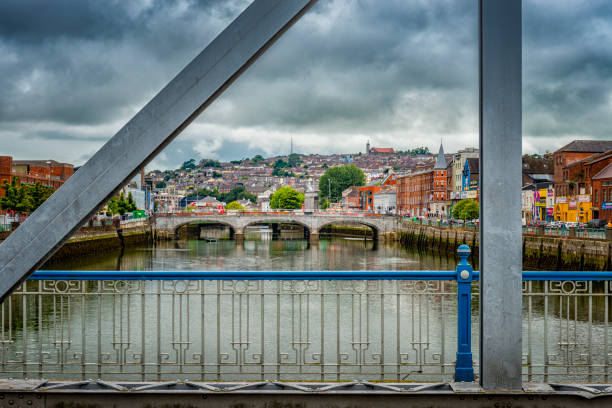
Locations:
(597, 223)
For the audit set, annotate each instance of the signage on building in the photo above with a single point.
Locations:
(550, 198)
(572, 203)
(607, 205)
(540, 197)
(584, 198)
(561, 200)
(472, 194)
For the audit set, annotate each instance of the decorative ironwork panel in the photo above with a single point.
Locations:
(565, 331)
(228, 330)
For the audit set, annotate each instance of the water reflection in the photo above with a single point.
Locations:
(262, 254)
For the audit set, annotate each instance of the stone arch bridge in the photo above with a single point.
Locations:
(380, 225)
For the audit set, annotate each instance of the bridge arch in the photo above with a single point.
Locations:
(233, 228)
(309, 229)
(375, 229)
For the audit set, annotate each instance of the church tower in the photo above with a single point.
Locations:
(367, 147)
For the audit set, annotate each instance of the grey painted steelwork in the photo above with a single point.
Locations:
(284, 394)
(500, 202)
(149, 131)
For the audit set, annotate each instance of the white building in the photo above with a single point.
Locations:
(385, 200)
(527, 204)
(167, 202)
(263, 200)
(459, 159)
(311, 198)
(138, 196)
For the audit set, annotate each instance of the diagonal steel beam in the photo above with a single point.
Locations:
(148, 132)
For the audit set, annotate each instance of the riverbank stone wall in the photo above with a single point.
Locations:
(541, 252)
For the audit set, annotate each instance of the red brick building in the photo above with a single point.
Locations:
(415, 192)
(366, 193)
(425, 190)
(439, 205)
(47, 172)
(566, 175)
(602, 194)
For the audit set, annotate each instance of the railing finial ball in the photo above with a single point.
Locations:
(463, 251)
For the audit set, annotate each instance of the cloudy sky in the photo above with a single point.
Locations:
(400, 73)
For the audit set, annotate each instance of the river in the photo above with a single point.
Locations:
(281, 254)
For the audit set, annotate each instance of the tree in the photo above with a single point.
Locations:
(121, 205)
(189, 164)
(280, 164)
(466, 210)
(257, 158)
(216, 174)
(236, 193)
(15, 197)
(234, 205)
(280, 172)
(131, 204)
(286, 198)
(294, 160)
(113, 206)
(420, 150)
(38, 194)
(337, 179)
(160, 184)
(210, 163)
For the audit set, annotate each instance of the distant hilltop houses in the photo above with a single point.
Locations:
(572, 184)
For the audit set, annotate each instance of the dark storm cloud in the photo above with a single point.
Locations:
(64, 136)
(567, 65)
(35, 21)
(401, 73)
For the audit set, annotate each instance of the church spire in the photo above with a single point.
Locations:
(440, 160)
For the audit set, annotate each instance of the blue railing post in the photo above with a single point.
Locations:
(464, 369)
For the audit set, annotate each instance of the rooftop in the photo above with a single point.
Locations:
(587, 146)
(605, 173)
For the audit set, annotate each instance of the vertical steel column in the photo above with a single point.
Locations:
(464, 367)
(500, 194)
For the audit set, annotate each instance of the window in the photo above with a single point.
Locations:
(595, 196)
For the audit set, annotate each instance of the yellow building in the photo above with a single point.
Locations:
(568, 207)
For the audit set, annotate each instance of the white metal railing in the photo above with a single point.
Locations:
(230, 330)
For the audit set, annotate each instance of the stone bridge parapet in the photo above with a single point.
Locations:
(380, 224)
